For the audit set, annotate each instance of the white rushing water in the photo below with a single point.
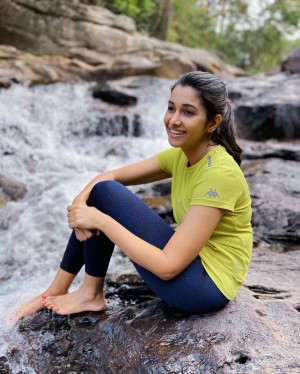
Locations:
(47, 143)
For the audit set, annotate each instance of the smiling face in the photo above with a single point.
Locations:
(186, 120)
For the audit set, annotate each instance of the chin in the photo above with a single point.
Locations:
(174, 144)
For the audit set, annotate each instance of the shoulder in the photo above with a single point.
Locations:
(222, 165)
(170, 157)
(221, 183)
(170, 152)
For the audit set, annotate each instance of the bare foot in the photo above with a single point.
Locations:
(75, 302)
(59, 286)
(29, 307)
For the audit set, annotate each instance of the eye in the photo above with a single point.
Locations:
(170, 108)
(188, 112)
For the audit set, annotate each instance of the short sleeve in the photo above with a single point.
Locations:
(216, 188)
(166, 159)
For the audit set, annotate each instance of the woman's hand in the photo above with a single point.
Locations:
(82, 234)
(81, 216)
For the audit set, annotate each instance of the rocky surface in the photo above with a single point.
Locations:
(10, 190)
(291, 62)
(275, 191)
(106, 92)
(256, 333)
(271, 169)
(266, 107)
(22, 67)
(66, 40)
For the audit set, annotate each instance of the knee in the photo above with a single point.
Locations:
(102, 190)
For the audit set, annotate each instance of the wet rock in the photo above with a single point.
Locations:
(271, 171)
(113, 125)
(162, 206)
(291, 63)
(158, 197)
(270, 149)
(10, 190)
(266, 107)
(274, 185)
(113, 95)
(257, 332)
(4, 368)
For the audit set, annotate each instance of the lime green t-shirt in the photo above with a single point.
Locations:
(217, 181)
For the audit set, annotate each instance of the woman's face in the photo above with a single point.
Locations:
(186, 119)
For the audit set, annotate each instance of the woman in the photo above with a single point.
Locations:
(196, 268)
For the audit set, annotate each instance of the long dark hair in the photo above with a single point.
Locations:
(213, 95)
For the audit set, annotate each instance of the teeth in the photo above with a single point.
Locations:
(177, 132)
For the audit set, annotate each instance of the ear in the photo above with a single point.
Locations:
(215, 123)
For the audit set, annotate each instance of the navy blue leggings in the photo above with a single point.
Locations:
(191, 291)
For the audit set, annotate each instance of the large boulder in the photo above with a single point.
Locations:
(97, 44)
(271, 170)
(275, 186)
(256, 333)
(266, 107)
(22, 67)
(291, 63)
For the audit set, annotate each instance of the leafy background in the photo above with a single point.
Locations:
(252, 35)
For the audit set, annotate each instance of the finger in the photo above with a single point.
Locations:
(79, 235)
(73, 219)
(88, 234)
(71, 207)
(72, 224)
(85, 234)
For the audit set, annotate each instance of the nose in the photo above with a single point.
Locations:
(175, 120)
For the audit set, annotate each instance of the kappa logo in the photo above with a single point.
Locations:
(212, 193)
(209, 161)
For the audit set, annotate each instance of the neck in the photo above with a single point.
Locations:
(195, 155)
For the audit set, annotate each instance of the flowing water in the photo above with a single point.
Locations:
(49, 140)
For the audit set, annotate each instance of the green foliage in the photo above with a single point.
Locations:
(225, 27)
(192, 24)
(139, 10)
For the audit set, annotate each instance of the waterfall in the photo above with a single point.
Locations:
(54, 139)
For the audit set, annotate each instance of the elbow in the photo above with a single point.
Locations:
(168, 269)
(168, 275)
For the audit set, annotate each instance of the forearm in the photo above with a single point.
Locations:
(141, 172)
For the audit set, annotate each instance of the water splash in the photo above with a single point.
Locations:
(48, 142)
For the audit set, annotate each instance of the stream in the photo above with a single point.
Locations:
(49, 140)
